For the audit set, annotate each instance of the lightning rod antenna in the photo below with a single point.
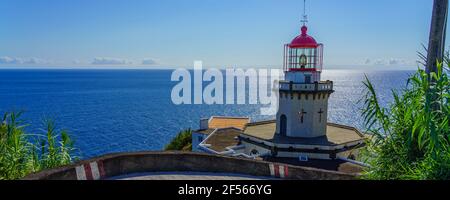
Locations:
(305, 16)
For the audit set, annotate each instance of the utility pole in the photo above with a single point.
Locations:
(436, 43)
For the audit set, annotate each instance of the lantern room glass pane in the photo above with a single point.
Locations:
(302, 58)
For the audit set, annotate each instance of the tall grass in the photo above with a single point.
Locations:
(22, 153)
(410, 138)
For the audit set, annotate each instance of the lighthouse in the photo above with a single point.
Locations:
(300, 133)
(303, 99)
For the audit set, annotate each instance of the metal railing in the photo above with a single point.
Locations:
(307, 87)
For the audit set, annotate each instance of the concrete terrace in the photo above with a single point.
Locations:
(336, 134)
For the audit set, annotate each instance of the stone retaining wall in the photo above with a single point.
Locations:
(128, 163)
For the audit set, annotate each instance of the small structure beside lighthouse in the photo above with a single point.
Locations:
(301, 132)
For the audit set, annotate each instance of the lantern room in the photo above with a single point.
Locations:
(303, 54)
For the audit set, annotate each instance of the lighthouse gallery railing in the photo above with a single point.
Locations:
(306, 87)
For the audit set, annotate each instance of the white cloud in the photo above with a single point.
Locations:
(34, 61)
(387, 62)
(379, 62)
(110, 61)
(9, 60)
(18, 61)
(149, 61)
(76, 62)
(394, 61)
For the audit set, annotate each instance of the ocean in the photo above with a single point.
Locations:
(108, 111)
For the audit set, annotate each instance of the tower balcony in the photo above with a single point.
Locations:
(322, 86)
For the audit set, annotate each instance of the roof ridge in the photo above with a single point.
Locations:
(229, 117)
(231, 127)
(261, 122)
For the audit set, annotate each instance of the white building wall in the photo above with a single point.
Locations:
(292, 107)
(283, 154)
(249, 147)
(299, 77)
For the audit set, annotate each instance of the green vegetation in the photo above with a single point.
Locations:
(20, 156)
(410, 138)
(182, 142)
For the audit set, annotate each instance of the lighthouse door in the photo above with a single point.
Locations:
(283, 125)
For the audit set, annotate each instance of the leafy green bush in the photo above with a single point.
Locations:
(22, 153)
(410, 138)
(182, 142)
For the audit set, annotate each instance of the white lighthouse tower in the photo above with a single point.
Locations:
(303, 103)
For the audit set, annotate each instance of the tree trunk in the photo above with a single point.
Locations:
(436, 44)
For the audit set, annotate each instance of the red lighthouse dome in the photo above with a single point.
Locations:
(303, 40)
(303, 54)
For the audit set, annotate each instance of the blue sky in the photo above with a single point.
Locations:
(222, 33)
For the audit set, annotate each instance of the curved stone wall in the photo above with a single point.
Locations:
(129, 163)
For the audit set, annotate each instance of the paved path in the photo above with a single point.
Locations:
(187, 176)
